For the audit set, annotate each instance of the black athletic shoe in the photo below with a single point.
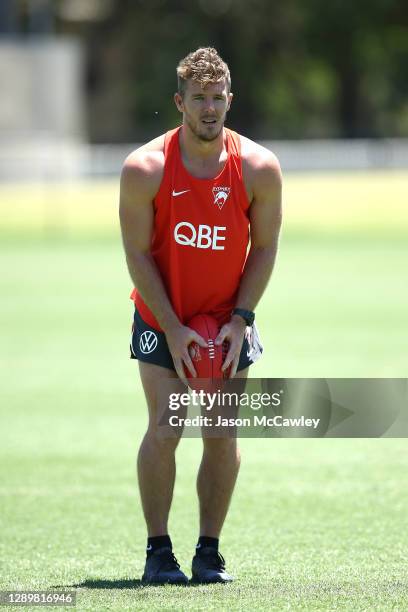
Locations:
(162, 568)
(209, 566)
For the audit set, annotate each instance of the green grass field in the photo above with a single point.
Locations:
(314, 524)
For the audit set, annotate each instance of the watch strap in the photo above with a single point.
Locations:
(247, 315)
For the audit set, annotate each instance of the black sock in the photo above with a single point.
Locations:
(204, 541)
(158, 542)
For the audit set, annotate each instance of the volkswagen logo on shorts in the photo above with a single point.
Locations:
(148, 342)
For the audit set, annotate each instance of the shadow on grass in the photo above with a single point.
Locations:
(125, 583)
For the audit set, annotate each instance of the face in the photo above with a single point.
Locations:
(204, 110)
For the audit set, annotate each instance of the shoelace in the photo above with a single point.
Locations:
(216, 561)
(168, 561)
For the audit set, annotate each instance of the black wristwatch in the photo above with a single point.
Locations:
(247, 315)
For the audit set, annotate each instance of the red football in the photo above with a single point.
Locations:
(207, 361)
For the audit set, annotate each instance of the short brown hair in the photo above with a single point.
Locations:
(204, 66)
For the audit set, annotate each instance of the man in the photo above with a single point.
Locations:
(188, 201)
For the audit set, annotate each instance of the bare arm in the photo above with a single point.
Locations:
(265, 223)
(140, 180)
(265, 219)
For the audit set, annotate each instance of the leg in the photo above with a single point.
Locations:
(214, 485)
(156, 460)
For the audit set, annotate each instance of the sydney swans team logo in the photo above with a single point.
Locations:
(148, 342)
(221, 195)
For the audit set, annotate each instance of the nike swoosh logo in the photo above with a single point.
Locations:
(149, 547)
(177, 193)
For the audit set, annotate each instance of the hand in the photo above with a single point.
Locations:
(234, 331)
(179, 339)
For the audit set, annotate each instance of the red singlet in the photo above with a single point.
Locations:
(201, 234)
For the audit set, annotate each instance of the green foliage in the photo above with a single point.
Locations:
(299, 69)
